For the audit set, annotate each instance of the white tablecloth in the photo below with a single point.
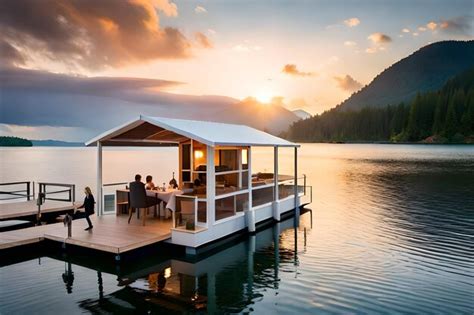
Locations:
(168, 197)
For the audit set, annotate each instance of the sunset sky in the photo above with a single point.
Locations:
(314, 54)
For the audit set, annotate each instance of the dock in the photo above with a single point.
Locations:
(23, 209)
(110, 234)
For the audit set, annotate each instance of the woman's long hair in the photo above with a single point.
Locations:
(88, 190)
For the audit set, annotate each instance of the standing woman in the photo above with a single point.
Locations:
(88, 206)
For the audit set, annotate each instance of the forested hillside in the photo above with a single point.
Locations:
(14, 142)
(426, 70)
(443, 116)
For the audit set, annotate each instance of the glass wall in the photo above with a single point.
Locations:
(186, 162)
(232, 181)
(262, 166)
(262, 196)
(229, 206)
(201, 212)
(286, 171)
(231, 176)
(199, 177)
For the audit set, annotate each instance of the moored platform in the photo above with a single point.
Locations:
(22, 209)
(110, 234)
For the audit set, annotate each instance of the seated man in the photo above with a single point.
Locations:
(138, 196)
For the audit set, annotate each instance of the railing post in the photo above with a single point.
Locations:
(275, 204)
(28, 191)
(297, 208)
(34, 191)
(304, 184)
(99, 178)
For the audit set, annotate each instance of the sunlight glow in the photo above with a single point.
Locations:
(264, 96)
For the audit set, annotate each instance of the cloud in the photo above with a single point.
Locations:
(92, 34)
(203, 40)
(459, 25)
(371, 50)
(299, 103)
(350, 43)
(352, 22)
(422, 28)
(347, 83)
(199, 9)
(406, 30)
(291, 69)
(40, 98)
(415, 34)
(379, 38)
(211, 32)
(10, 55)
(35, 80)
(246, 47)
(432, 25)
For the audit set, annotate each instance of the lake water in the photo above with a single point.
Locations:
(392, 231)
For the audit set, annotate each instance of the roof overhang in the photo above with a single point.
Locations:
(158, 131)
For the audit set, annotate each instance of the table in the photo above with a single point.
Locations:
(168, 197)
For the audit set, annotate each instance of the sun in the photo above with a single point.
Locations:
(264, 96)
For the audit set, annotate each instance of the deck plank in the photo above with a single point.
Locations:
(110, 234)
(28, 208)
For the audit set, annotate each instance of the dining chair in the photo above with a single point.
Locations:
(138, 200)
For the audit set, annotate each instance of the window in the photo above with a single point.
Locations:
(186, 163)
(229, 206)
(230, 175)
(262, 196)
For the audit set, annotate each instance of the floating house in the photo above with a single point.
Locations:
(218, 192)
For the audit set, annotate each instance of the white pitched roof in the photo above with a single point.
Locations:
(206, 132)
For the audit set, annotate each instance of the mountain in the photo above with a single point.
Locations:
(14, 142)
(425, 70)
(443, 116)
(90, 105)
(55, 143)
(302, 114)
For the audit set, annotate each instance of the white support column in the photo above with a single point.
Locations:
(249, 173)
(99, 197)
(210, 187)
(250, 212)
(239, 165)
(276, 203)
(297, 206)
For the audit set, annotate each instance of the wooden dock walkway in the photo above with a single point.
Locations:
(18, 210)
(110, 234)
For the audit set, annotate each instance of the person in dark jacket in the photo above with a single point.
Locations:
(88, 206)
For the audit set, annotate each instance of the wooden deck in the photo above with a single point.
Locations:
(110, 234)
(22, 209)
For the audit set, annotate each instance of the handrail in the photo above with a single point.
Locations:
(71, 191)
(18, 193)
(14, 183)
(115, 184)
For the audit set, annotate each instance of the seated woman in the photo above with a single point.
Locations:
(149, 183)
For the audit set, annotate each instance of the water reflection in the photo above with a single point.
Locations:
(230, 280)
(392, 233)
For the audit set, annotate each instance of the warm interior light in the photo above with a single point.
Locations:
(244, 156)
(198, 154)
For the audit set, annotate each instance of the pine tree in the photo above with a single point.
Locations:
(450, 125)
(412, 131)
